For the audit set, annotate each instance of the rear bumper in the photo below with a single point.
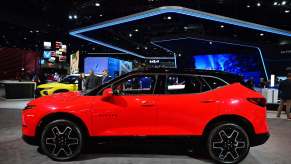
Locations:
(260, 139)
(30, 140)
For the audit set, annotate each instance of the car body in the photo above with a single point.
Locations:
(209, 105)
(69, 83)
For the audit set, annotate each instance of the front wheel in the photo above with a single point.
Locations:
(61, 140)
(228, 143)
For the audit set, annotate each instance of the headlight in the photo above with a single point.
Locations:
(29, 107)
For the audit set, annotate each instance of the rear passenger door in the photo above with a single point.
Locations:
(183, 105)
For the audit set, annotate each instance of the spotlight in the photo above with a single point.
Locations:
(169, 17)
(287, 11)
(210, 43)
(248, 6)
(145, 48)
(130, 35)
(283, 3)
(101, 15)
(221, 26)
(275, 3)
(70, 17)
(136, 30)
(259, 4)
(97, 4)
(261, 34)
(75, 16)
(179, 55)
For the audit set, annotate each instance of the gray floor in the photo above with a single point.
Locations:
(13, 150)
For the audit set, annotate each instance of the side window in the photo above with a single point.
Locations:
(135, 85)
(181, 84)
(214, 82)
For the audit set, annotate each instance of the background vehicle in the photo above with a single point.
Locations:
(206, 106)
(69, 83)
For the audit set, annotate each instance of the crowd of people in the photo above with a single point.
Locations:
(92, 81)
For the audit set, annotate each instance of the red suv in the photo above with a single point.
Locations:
(212, 106)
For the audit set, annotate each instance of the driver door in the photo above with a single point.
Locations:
(130, 111)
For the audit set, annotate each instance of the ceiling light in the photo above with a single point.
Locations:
(261, 34)
(145, 48)
(283, 3)
(136, 30)
(210, 43)
(36, 31)
(70, 17)
(130, 35)
(101, 15)
(97, 4)
(259, 4)
(169, 17)
(221, 26)
(275, 3)
(75, 16)
(287, 11)
(179, 54)
(248, 6)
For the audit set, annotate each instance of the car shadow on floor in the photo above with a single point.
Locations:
(143, 149)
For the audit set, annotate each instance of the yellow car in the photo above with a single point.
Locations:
(69, 83)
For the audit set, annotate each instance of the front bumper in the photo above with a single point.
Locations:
(260, 139)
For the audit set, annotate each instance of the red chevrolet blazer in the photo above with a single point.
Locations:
(227, 117)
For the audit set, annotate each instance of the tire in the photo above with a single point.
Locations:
(228, 143)
(61, 140)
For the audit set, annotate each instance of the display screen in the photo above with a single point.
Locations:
(245, 65)
(47, 54)
(114, 66)
(97, 64)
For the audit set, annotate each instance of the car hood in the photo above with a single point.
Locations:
(51, 85)
(56, 99)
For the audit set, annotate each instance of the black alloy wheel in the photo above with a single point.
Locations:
(61, 140)
(228, 143)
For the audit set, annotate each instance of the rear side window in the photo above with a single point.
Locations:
(214, 82)
(182, 84)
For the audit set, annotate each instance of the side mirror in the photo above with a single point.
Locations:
(107, 93)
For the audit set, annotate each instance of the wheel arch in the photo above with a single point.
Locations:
(60, 90)
(60, 115)
(239, 120)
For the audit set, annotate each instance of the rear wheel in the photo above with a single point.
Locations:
(61, 140)
(228, 143)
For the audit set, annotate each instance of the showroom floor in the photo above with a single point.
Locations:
(276, 151)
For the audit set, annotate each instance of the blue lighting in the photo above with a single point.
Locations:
(214, 41)
(171, 9)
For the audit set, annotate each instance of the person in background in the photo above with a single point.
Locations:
(56, 77)
(92, 81)
(285, 95)
(250, 83)
(105, 76)
(81, 82)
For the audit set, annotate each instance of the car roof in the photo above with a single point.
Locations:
(228, 77)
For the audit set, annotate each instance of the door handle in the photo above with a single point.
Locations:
(147, 103)
(209, 101)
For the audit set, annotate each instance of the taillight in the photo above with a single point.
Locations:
(258, 101)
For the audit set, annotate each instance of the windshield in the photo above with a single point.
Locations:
(69, 80)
